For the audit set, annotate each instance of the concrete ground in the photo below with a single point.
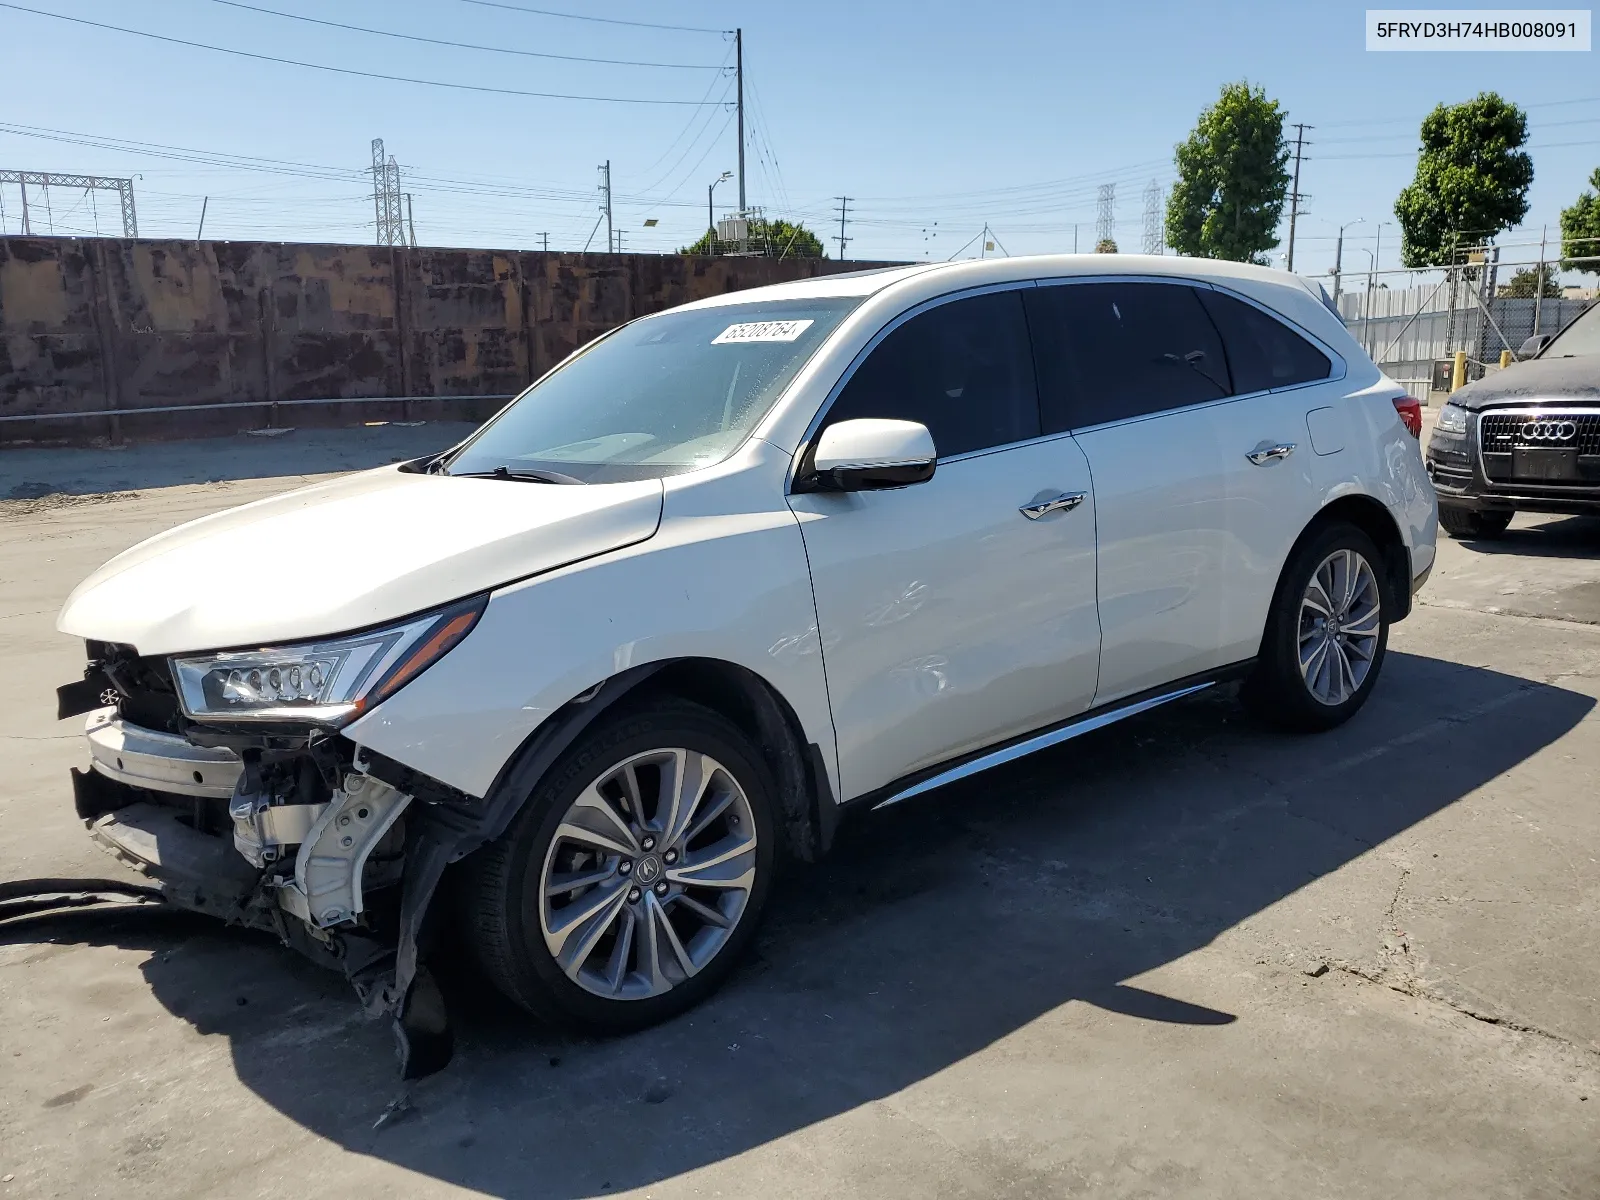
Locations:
(1184, 956)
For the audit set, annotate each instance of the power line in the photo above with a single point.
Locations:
(545, 12)
(412, 37)
(293, 62)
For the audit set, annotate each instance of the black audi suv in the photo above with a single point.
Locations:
(1527, 437)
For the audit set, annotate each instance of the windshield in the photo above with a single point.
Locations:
(663, 395)
(1580, 337)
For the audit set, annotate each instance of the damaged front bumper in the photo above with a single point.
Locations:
(290, 833)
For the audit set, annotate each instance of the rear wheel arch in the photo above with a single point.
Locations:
(1373, 519)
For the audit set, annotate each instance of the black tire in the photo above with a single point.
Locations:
(1276, 691)
(503, 884)
(1474, 523)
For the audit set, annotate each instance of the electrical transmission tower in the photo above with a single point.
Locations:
(1154, 240)
(45, 180)
(387, 202)
(1106, 215)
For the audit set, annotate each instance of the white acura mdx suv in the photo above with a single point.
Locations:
(723, 574)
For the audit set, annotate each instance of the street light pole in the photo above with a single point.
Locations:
(711, 219)
(1338, 257)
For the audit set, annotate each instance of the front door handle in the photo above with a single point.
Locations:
(1065, 502)
(1264, 454)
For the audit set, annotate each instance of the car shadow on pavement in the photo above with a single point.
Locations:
(1553, 537)
(935, 929)
(32, 473)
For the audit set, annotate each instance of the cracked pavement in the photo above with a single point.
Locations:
(1183, 956)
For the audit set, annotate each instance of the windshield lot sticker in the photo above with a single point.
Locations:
(762, 331)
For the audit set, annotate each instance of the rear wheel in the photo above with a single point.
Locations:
(1326, 635)
(1474, 523)
(634, 876)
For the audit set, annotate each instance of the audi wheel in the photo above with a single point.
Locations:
(635, 875)
(1482, 524)
(1326, 636)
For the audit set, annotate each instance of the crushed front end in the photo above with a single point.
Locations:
(270, 817)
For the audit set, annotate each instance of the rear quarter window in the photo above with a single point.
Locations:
(1263, 352)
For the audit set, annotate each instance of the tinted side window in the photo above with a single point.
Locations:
(1109, 351)
(1263, 352)
(963, 369)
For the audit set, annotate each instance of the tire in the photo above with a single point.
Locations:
(1278, 690)
(516, 929)
(1473, 523)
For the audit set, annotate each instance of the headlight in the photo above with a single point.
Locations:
(325, 682)
(1452, 419)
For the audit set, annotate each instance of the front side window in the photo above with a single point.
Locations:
(1263, 352)
(1111, 351)
(963, 369)
(666, 394)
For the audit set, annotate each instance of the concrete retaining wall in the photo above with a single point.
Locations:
(109, 326)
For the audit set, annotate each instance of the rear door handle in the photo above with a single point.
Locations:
(1264, 454)
(1065, 502)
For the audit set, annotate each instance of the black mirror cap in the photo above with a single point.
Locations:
(1533, 345)
(877, 478)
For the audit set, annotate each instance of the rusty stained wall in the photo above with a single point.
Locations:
(102, 324)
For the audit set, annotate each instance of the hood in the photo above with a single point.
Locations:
(1576, 378)
(349, 553)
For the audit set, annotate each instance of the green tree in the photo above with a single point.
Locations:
(1231, 179)
(785, 239)
(1105, 246)
(1527, 282)
(1580, 230)
(1472, 179)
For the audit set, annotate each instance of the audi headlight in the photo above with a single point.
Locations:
(1452, 419)
(327, 682)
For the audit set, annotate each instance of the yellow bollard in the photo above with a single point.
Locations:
(1505, 359)
(1458, 377)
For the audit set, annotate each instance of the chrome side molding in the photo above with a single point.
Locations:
(1054, 737)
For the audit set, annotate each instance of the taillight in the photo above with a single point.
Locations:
(1410, 410)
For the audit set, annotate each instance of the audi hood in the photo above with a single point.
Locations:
(1538, 381)
(346, 554)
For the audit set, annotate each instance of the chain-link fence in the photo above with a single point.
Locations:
(1493, 300)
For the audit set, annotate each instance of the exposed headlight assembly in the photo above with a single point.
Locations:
(327, 682)
(1452, 419)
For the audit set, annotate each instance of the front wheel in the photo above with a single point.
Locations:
(634, 876)
(1474, 523)
(1326, 635)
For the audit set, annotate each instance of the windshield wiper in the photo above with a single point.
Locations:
(503, 472)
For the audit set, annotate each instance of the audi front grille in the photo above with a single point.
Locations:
(1501, 434)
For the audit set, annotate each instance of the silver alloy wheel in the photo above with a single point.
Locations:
(1340, 618)
(648, 874)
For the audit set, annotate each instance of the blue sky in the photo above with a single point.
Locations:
(1011, 113)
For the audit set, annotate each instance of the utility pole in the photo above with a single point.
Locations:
(844, 202)
(411, 221)
(738, 61)
(605, 186)
(199, 233)
(545, 239)
(1538, 280)
(1294, 196)
(26, 228)
(1074, 238)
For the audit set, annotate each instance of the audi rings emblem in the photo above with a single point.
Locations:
(1548, 431)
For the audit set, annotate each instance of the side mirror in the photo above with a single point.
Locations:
(1533, 345)
(870, 454)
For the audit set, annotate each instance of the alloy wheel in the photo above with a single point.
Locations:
(1340, 620)
(648, 873)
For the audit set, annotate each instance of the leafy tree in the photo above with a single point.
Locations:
(1580, 229)
(1232, 179)
(786, 239)
(1105, 246)
(1527, 282)
(1472, 179)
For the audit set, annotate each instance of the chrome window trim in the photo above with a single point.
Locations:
(845, 376)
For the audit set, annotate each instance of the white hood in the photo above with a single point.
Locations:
(346, 554)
